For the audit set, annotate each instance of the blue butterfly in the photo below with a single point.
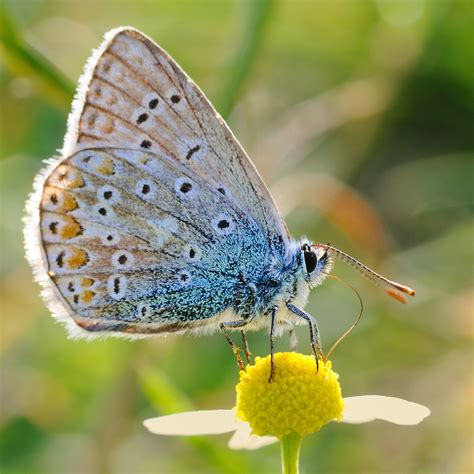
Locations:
(154, 220)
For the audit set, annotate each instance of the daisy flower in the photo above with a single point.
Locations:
(298, 402)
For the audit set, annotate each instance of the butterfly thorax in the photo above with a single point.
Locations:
(284, 281)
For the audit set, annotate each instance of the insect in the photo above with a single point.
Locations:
(154, 220)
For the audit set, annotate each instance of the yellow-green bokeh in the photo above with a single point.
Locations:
(358, 113)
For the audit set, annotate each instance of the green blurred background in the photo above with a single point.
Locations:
(358, 113)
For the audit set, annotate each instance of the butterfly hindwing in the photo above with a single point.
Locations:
(140, 252)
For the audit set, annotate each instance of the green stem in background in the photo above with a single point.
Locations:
(24, 58)
(290, 453)
(257, 18)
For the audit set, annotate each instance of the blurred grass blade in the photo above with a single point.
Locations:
(166, 399)
(24, 59)
(162, 392)
(258, 13)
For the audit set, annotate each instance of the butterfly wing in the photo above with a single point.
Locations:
(155, 212)
(134, 95)
(136, 243)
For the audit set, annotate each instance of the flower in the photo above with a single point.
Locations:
(298, 401)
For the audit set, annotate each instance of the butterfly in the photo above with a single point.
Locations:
(154, 220)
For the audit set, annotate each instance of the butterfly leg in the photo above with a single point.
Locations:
(235, 349)
(313, 332)
(272, 341)
(246, 347)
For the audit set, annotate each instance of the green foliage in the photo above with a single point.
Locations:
(24, 59)
(257, 17)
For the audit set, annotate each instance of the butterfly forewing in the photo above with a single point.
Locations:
(139, 98)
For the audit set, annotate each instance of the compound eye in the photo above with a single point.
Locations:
(310, 261)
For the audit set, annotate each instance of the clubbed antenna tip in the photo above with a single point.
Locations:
(392, 288)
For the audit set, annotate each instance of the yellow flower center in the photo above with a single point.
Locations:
(298, 400)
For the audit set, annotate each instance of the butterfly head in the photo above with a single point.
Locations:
(317, 263)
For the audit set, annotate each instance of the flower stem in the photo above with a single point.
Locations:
(290, 453)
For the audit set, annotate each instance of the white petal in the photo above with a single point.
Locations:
(202, 422)
(376, 407)
(244, 439)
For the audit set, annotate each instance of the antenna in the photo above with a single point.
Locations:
(354, 324)
(392, 288)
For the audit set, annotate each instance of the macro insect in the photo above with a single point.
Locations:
(154, 220)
